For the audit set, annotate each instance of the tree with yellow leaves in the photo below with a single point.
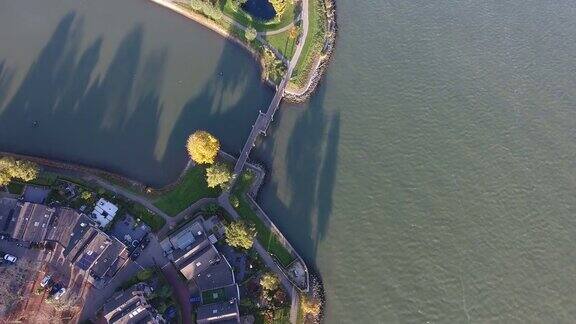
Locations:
(203, 147)
(218, 174)
(293, 33)
(279, 6)
(310, 306)
(11, 168)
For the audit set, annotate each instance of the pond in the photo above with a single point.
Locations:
(259, 9)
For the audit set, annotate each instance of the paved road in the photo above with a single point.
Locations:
(180, 291)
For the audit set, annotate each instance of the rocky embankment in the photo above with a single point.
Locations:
(321, 64)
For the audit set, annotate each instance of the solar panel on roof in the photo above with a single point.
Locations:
(86, 260)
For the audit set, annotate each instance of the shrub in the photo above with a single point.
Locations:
(250, 33)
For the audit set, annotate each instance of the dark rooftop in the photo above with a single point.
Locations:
(199, 262)
(67, 226)
(32, 222)
(9, 210)
(129, 306)
(218, 312)
(216, 276)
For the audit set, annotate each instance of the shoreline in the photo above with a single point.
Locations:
(297, 96)
(213, 26)
(303, 94)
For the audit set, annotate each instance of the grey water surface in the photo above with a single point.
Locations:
(432, 177)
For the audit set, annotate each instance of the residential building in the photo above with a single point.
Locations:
(222, 312)
(104, 212)
(131, 307)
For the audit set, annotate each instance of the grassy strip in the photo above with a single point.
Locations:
(313, 43)
(283, 43)
(269, 240)
(192, 188)
(244, 18)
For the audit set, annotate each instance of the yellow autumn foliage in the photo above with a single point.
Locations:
(203, 147)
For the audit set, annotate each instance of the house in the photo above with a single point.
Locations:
(9, 211)
(199, 262)
(98, 254)
(104, 212)
(222, 312)
(195, 256)
(67, 228)
(31, 222)
(131, 306)
(188, 240)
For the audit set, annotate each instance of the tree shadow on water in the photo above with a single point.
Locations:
(6, 77)
(310, 161)
(82, 116)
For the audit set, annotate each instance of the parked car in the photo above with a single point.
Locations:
(170, 312)
(135, 255)
(59, 294)
(10, 258)
(145, 242)
(46, 281)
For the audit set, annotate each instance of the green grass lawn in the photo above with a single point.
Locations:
(247, 20)
(192, 188)
(313, 43)
(213, 296)
(283, 43)
(154, 221)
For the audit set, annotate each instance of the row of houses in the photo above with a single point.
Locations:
(83, 244)
(195, 256)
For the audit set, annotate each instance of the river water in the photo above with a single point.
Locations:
(430, 179)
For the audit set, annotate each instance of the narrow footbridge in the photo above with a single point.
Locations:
(261, 124)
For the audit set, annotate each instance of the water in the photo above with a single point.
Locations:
(119, 85)
(259, 9)
(431, 178)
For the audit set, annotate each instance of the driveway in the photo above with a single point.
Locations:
(180, 291)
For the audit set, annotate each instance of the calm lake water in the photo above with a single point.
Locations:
(432, 178)
(119, 85)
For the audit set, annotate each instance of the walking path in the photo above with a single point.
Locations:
(224, 202)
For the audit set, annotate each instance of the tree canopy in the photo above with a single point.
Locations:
(274, 68)
(218, 174)
(310, 306)
(279, 6)
(203, 147)
(240, 235)
(269, 281)
(11, 168)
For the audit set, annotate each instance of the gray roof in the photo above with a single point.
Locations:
(67, 227)
(130, 306)
(199, 262)
(9, 210)
(218, 313)
(32, 222)
(216, 276)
